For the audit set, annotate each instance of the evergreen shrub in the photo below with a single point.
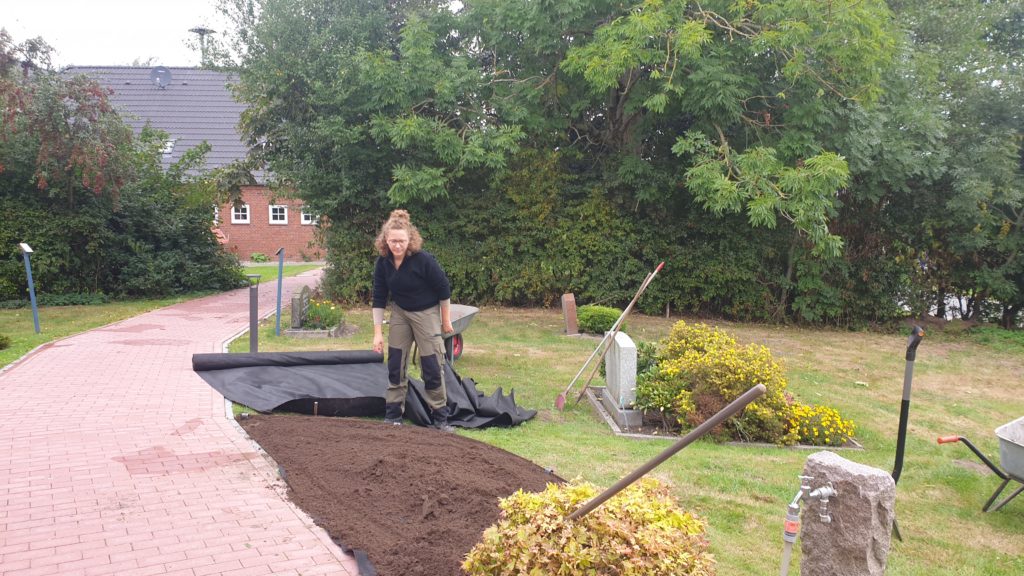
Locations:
(5, 341)
(639, 531)
(596, 319)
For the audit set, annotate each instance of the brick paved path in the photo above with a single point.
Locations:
(115, 458)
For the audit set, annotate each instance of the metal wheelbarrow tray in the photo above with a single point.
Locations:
(461, 316)
(1011, 456)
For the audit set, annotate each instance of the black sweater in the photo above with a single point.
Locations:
(417, 285)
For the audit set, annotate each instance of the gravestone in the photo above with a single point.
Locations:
(856, 541)
(569, 313)
(300, 305)
(620, 377)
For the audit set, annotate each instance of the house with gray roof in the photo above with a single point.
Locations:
(194, 105)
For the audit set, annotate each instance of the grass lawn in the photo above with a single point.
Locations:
(966, 385)
(57, 322)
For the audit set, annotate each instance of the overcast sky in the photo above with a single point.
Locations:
(112, 32)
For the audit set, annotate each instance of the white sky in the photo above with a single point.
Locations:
(112, 32)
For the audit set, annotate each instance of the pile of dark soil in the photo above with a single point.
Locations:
(416, 500)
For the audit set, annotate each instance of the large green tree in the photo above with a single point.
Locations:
(589, 134)
(92, 200)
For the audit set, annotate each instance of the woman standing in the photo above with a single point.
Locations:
(420, 312)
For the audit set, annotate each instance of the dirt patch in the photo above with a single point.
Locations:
(415, 499)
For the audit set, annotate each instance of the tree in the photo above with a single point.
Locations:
(92, 200)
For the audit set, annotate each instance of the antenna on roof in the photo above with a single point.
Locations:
(160, 76)
(202, 31)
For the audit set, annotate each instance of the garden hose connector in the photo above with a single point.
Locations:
(791, 527)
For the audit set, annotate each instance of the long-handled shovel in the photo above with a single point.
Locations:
(916, 335)
(560, 401)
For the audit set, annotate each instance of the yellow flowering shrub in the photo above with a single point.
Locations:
(322, 315)
(702, 369)
(819, 426)
(639, 531)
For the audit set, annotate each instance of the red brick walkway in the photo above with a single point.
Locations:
(115, 458)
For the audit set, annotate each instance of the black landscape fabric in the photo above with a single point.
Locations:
(345, 383)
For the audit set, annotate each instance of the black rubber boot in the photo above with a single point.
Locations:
(393, 414)
(440, 420)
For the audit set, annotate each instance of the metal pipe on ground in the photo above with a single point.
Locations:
(734, 407)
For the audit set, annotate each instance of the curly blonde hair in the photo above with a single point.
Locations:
(398, 220)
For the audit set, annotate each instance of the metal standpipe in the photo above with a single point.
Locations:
(709, 424)
(254, 312)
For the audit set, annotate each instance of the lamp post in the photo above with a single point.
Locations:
(27, 251)
(254, 312)
(280, 281)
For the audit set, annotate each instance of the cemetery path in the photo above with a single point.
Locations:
(116, 458)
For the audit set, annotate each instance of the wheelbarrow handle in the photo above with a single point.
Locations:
(991, 465)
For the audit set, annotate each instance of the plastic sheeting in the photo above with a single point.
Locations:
(345, 383)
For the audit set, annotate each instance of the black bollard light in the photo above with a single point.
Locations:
(254, 312)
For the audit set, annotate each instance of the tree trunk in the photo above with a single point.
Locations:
(940, 304)
(787, 282)
(1009, 319)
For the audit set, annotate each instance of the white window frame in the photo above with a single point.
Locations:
(236, 218)
(270, 214)
(307, 218)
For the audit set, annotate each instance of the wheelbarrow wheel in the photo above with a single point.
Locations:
(456, 346)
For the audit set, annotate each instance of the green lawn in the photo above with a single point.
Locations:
(966, 385)
(57, 322)
(962, 385)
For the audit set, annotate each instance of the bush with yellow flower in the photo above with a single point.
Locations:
(701, 369)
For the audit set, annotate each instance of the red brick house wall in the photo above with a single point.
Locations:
(261, 236)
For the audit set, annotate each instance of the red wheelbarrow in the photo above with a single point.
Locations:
(1011, 455)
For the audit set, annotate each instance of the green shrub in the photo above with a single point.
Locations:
(5, 341)
(702, 369)
(639, 531)
(259, 257)
(596, 319)
(322, 315)
(73, 299)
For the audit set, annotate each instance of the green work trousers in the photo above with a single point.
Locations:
(423, 328)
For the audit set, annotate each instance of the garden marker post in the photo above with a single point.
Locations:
(734, 407)
(26, 250)
(916, 335)
(254, 312)
(280, 281)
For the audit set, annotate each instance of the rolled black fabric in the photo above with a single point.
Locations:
(203, 362)
(345, 383)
